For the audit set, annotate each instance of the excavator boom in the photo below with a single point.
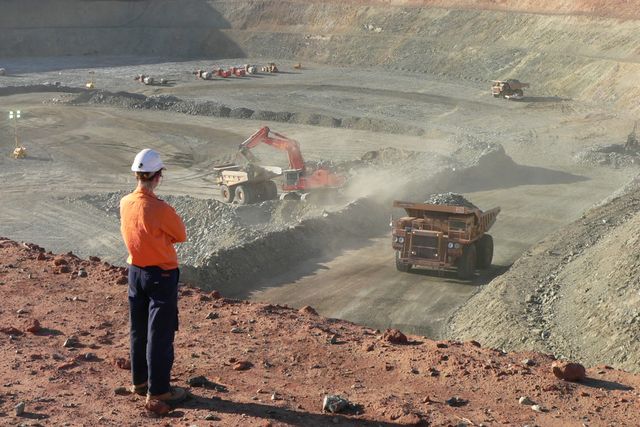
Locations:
(277, 141)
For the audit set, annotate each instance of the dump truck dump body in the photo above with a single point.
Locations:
(437, 237)
(508, 89)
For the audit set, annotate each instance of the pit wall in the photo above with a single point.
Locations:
(573, 56)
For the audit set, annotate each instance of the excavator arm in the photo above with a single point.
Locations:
(277, 141)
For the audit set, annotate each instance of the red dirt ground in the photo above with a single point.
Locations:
(295, 358)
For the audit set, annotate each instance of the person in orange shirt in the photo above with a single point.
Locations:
(150, 227)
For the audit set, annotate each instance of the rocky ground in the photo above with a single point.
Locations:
(574, 294)
(63, 324)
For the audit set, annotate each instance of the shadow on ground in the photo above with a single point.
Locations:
(604, 384)
(274, 413)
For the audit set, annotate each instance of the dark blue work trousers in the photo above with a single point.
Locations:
(153, 314)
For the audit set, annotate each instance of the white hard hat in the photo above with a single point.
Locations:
(147, 160)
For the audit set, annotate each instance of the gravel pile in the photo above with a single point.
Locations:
(213, 226)
(612, 155)
(452, 199)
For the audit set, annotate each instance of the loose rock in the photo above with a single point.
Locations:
(524, 400)
(307, 309)
(394, 336)
(70, 342)
(242, 365)
(34, 327)
(568, 371)
(456, 401)
(335, 404)
(123, 363)
(19, 408)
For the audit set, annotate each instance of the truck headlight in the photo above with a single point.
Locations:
(457, 246)
(450, 245)
(400, 239)
(395, 239)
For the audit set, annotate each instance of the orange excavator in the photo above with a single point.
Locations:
(254, 182)
(298, 178)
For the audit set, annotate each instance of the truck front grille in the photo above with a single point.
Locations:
(424, 246)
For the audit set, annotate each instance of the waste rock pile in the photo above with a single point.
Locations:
(585, 274)
(611, 155)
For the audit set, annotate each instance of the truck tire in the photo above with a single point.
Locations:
(290, 196)
(485, 251)
(401, 266)
(244, 194)
(519, 92)
(258, 192)
(467, 262)
(271, 190)
(227, 194)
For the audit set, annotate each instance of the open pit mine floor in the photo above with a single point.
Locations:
(79, 150)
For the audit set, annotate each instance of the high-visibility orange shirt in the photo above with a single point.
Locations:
(150, 227)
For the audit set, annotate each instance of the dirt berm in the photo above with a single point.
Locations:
(575, 294)
(214, 109)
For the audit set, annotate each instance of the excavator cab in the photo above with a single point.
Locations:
(291, 177)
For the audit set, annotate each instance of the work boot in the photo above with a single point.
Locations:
(173, 396)
(140, 389)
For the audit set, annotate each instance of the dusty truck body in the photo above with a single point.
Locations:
(247, 184)
(443, 238)
(509, 89)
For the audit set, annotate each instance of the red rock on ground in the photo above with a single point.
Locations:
(242, 365)
(123, 363)
(60, 261)
(215, 295)
(568, 371)
(67, 365)
(307, 309)
(394, 336)
(292, 360)
(33, 327)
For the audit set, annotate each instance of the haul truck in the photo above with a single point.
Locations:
(443, 237)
